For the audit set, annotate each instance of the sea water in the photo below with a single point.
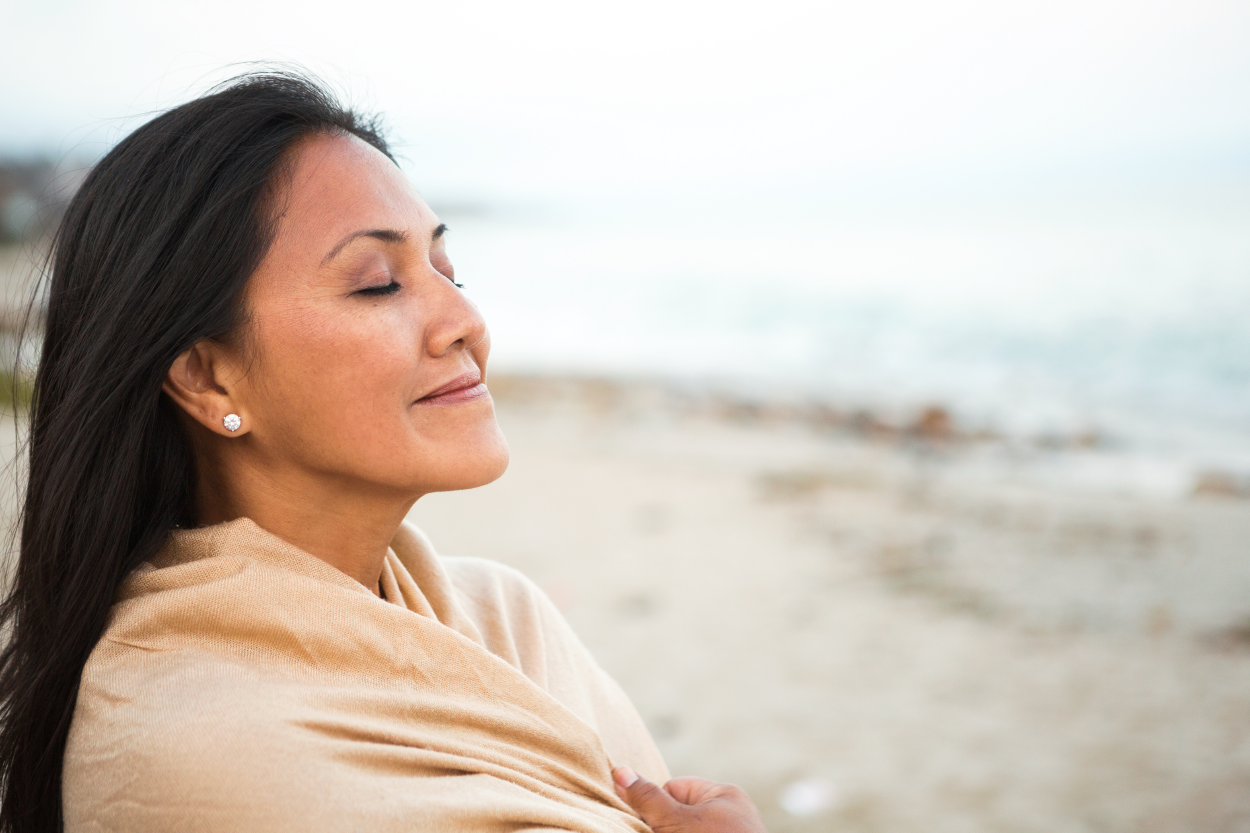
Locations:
(1122, 319)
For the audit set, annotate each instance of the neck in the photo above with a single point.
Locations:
(346, 525)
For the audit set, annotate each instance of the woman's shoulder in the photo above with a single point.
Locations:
(515, 618)
(514, 614)
(154, 731)
(497, 583)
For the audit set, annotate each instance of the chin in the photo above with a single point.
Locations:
(471, 464)
(490, 469)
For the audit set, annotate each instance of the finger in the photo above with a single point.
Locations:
(688, 789)
(656, 807)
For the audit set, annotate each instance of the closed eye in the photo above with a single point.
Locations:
(384, 289)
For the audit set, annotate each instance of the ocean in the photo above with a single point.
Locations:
(1118, 319)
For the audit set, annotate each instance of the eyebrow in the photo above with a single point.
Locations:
(386, 235)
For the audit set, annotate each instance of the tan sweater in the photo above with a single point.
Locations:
(245, 685)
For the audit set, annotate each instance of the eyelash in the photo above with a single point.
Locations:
(386, 289)
(392, 287)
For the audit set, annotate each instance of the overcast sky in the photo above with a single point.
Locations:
(508, 98)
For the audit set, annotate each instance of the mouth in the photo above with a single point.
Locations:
(464, 388)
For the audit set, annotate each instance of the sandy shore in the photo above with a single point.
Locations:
(875, 632)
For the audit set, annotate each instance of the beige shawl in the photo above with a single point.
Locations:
(245, 685)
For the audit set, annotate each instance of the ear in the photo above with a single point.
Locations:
(200, 381)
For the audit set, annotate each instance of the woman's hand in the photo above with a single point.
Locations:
(689, 805)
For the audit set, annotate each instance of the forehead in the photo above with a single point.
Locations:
(338, 184)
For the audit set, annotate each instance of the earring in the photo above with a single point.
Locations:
(232, 422)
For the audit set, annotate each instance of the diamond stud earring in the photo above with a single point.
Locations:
(232, 422)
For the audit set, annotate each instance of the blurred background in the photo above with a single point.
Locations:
(878, 375)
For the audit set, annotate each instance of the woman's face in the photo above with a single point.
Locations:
(367, 363)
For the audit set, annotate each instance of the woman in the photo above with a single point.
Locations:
(255, 360)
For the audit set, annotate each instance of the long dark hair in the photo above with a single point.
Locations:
(153, 254)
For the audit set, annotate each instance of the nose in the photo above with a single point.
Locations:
(456, 323)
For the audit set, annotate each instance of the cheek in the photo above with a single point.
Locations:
(337, 379)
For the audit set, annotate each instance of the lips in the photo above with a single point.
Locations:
(464, 387)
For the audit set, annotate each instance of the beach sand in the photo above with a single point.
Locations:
(869, 630)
